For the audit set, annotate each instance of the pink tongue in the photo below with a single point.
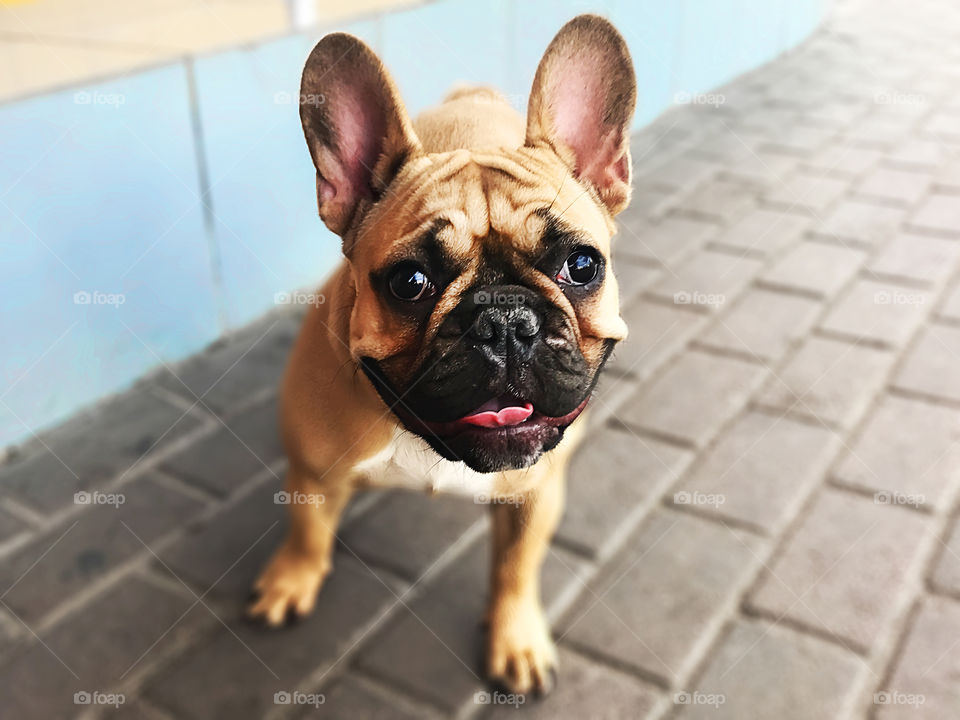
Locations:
(512, 415)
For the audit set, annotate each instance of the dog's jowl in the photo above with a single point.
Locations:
(475, 307)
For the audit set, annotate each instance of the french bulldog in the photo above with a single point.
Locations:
(464, 331)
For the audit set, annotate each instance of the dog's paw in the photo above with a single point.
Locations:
(521, 655)
(288, 587)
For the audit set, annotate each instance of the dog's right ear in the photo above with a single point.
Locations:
(357, 130)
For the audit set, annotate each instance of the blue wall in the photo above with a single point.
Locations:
(179, 200)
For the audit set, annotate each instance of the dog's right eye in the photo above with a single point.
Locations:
(408, 282)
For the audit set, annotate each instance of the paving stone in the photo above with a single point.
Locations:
(924, 681)
(945, 574)
(806, 193)
(706, 281)
(854, 221)
(845, 569)
(233, 368)
(357, 698)
(586, 689)
(70, 556)
(407, 531)
(878, 312)
(828, 380)
(657, 333)
(717, 200)
(759, 471)
(815, 268)
(614, 476)
(879, 131)
(242, 446)
(843, 160)
(763, 232)
(693, 397)
(799, 140)
(914, 153)
(916, 258)
(929, 368)
(134, 624)
(223, 556)
(679, 173)
(439, 634)
(765, 671)
(947, 179)
(134, 709)
(633, 277)
(950, 307)
(907, 450)
(760, 168)
(665, 242)
(763, 324)
(939, 215)
(658, 602)
(11, 527)
(897, 187)
(608, 395)
(255, 662)
(125, 428)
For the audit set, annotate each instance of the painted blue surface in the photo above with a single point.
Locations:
(99, 194)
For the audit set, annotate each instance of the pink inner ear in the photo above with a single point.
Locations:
(361, 127)
(577, 101)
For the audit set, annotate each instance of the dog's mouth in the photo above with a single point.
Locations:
(504, 413)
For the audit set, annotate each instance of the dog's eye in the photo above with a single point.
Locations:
(580, 267)
(408, 282)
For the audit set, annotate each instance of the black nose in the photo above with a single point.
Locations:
(505, 324)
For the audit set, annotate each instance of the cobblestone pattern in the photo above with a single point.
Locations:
(762, 524)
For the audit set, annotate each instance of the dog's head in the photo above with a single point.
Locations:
(485, 303)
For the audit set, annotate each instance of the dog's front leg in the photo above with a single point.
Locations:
(520, 653)
(293, 577)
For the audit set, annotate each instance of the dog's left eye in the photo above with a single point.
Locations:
(580, 267)
(408, 282)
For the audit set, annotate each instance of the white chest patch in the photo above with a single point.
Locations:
(407, 461)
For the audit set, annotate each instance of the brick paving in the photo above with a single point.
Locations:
(762, 524)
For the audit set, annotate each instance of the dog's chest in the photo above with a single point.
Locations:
(407, 461)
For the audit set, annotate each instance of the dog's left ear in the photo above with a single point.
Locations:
(582, 105)
(357, 130)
